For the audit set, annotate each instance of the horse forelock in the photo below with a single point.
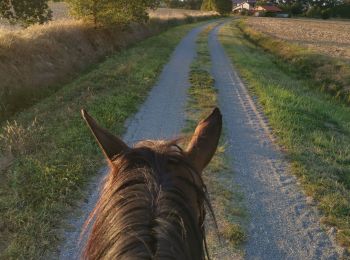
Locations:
(145, 209)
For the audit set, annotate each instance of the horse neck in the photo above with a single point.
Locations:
(137, 216)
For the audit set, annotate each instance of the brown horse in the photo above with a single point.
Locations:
(152, 205)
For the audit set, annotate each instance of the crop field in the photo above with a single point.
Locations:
(328, 37)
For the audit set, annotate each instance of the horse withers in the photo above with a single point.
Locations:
(152, 204)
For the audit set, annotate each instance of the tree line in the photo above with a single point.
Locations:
(313, 8)
(223, 7)
(101, 12)
(123, 12)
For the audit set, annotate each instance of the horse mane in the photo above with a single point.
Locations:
(144, 212)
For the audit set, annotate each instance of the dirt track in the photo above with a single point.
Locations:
(161, 116)
(282, 225)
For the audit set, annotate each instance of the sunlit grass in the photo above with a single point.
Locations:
(54, 155)
(329, 73)
(311, 126)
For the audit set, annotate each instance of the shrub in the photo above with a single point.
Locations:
(25, 12)
(317, 12)
(244, 12)
(313, 11)
(342, 11)
(223, 7)
(270, 14)
(110, 12)
(297, 8)
(326, 13)
(208, 5)
(185, 4)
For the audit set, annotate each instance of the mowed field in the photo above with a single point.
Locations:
(331, 37)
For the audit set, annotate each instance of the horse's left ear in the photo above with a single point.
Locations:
(205, 140)
(110, 144)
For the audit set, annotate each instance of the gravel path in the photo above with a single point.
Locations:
(161, 116)
(282, 224)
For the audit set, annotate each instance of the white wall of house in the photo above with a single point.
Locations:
(243, 6)
(247, 6)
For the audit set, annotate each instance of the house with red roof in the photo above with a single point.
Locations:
(267, 10)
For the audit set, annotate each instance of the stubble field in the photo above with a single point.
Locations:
(331, 38)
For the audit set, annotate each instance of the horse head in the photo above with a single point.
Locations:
(152, 205)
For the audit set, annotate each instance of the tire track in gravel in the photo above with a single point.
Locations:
(282, 225)
(161, 116)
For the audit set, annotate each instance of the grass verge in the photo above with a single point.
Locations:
(329, 74)
(311, 126)
(225, 198)
(49, 150)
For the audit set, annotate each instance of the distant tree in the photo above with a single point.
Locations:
(185, 4)
(293, 7)
(315, 8)
(173, 3)
(323, 4)
(194, 4)
(112, 12)
(342, 10)
(25, 12)
(297, 8)
(221, 6)
(208, 5)
(262, 2)
(314, 12)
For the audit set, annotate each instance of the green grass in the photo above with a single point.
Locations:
(310, 125)
(329, 74)
(52, 153)
(225, 198)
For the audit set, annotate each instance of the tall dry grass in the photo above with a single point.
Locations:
(36, 61)
(169, 13)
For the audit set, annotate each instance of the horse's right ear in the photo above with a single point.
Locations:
(205, 140)
(110, 144)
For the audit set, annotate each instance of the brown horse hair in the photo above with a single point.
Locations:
(145, 209)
